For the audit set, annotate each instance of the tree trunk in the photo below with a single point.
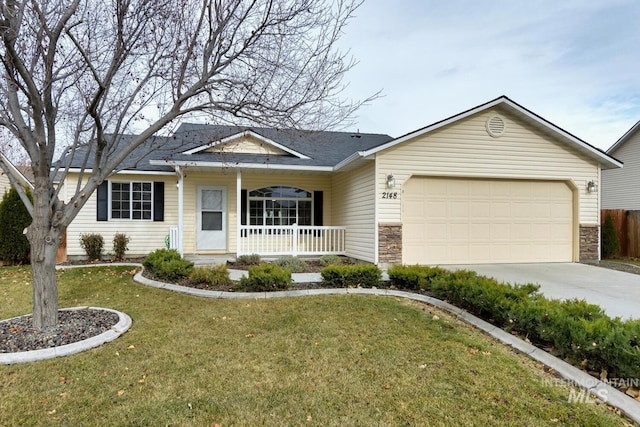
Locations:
(44, 240)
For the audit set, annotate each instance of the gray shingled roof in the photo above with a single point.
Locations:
(324, 148)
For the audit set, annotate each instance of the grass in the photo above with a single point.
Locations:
(331, 361)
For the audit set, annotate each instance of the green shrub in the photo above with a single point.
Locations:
(266, 277)
(120, 242)
(416, 277)
(214, 275)
(359, 275)
(14, 218)
(610, 240)
(481, 295)
(92, 243)
(251, 259)
(168, 264)
(295, 264)
(326, 260)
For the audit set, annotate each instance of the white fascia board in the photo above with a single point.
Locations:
(360, 155)
(245, 134)
(16, 172)
(125, 172)
(183, 163)
(624, 138)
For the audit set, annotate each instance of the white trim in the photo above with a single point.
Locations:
(624, 137)
(124, 172)
(184, 163)
(17, 172)
(110, 201)
(246, 134)
(238, 208)
(180, 210)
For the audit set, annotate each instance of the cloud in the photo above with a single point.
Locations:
(572, 62)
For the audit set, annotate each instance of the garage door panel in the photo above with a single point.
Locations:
(449, 221)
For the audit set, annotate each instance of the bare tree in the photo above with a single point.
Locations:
(88, 71)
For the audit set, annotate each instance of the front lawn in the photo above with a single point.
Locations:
(331, 360)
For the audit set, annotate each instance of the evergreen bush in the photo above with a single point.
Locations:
(214, 275)
(415, 277)
(266, 277)
(343, 276)
(610, 240)
(92, 243)
(167, 264)
(14, 218)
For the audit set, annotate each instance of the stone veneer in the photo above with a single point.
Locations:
(390, 243)
(589, 238)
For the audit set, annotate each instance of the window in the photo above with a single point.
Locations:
(280, 206)
(132, 200)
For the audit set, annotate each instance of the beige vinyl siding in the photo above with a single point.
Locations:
(146, 236)
(354, 207)
(621, 187)
(5, 185)
(465, 149)
(247, 146)
(250, 181)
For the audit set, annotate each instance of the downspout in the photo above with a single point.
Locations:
(238, 210)
(180, 209)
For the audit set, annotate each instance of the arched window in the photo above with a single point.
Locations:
(280, 205)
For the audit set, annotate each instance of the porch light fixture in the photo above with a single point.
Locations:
(592, 187)
(391, 181)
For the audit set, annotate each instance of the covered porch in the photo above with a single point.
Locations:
(269, 214)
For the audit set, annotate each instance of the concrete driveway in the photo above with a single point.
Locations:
(618, 293)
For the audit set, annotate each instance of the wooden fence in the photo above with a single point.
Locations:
(628, 226)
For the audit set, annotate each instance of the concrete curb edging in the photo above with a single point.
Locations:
(124, 323)
(573, 375)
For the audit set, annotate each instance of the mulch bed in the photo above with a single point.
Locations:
(17, 335)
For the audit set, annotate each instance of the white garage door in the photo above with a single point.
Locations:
(466, 221)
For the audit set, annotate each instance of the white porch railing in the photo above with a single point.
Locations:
(291, 240)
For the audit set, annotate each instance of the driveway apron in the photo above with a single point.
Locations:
(617, 292)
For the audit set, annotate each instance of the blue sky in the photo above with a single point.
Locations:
(575, 63)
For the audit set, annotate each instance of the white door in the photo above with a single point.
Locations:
(212, 218)
(474, 221)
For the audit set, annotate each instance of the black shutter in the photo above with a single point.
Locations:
(158, 201)
(102, 212)
(243, 207)
(317, 208)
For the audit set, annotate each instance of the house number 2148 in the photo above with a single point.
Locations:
(390, 195)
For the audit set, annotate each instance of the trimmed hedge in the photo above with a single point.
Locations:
(168, 264)
(266, 277)
(415, 277)
(579, 332)
(212, 275)
(344, 276)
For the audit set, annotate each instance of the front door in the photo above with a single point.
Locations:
(212, 218)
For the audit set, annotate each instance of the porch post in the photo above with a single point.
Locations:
(180, 210)
(238, 210)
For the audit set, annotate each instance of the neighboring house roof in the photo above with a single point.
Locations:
(17, 172)
(624, 138)
(506, 104)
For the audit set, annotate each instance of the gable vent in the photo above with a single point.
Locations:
(496, 126)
